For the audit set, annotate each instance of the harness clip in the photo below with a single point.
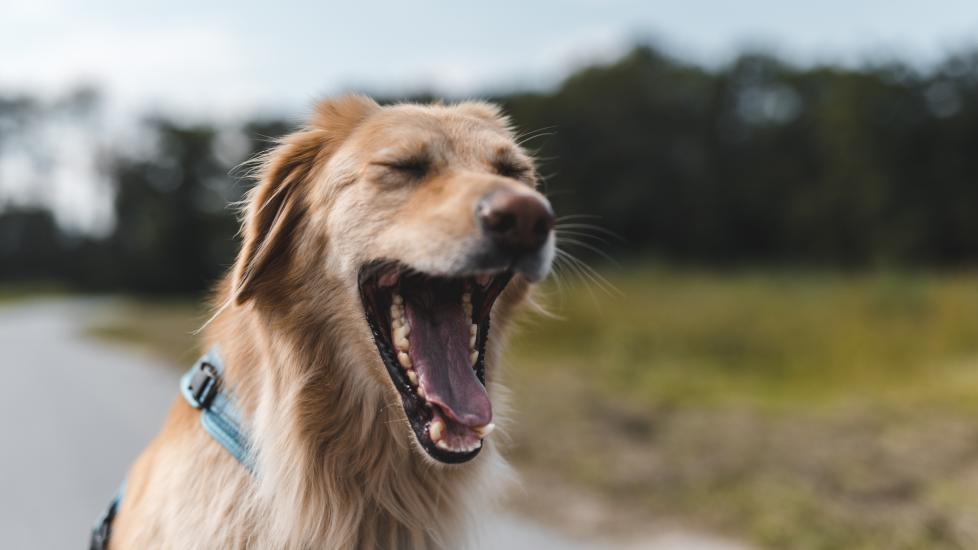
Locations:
(203, 384)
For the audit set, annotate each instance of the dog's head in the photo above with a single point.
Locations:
(416, 219)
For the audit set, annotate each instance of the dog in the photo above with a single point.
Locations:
(354, 327)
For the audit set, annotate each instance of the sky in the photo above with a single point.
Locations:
(226, 59)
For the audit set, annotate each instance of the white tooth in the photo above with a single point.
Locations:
(484, 431)
(400, 338)
(473, 357)
(413, 377)
(474, 329)
(472, 342)
(435, 429)
(396, 322)
(398, 300)
(421, 393)
(442, 445)
(403, 359)
(468, 309)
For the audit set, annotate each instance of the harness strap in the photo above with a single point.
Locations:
(204, 389)
(103, 528)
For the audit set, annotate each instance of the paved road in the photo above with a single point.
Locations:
(73, 415)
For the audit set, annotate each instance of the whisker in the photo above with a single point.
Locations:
(587, 246)
(581, 234)
(534, 134)
(558, 279)
(588, 226)
(590, 273)
(576, 217)
(578, 272)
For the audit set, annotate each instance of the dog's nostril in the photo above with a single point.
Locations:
(542, 227)
(500, 222)
(516, 222)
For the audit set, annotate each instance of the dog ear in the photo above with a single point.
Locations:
(275, 206)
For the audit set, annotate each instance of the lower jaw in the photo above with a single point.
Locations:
(423, 415)
(420, 413)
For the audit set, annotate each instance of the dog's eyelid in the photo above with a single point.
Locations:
(408, 164)
(511, 168)
(403, 169)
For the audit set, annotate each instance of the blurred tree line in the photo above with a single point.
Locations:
(755, 162)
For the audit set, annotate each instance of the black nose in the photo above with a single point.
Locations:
(516, 222)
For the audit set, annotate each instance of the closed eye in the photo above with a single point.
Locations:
(510, 169)
(415, 166)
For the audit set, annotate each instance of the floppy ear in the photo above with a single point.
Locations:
(276, 205)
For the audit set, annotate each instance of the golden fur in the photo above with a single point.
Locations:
(337, 464)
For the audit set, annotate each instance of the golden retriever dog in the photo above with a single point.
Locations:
(355, 334)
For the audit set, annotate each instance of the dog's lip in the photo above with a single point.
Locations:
(378, 282)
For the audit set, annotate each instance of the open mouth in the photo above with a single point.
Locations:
(431, 333)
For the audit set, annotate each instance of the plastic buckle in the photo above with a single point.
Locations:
(203, 384)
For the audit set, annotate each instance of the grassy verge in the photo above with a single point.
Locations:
(163, 327)
(795, 410)
(18, 292)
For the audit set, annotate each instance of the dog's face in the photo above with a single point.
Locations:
(425, 214)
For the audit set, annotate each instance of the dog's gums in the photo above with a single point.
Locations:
(431, 333)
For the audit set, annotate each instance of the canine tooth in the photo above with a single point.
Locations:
(436, 429)
(403, 359)
(473, 357)
(472, 342)
(484, 431)
(398, 300)
(413, 377)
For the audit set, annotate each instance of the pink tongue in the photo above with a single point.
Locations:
(440, 354)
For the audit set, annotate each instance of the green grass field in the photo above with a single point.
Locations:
(789, 409)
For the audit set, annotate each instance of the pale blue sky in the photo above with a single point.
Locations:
(229, 58)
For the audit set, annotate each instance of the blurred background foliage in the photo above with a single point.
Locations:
(755, 162)
(786, 353)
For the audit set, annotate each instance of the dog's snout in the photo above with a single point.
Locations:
(516, 222)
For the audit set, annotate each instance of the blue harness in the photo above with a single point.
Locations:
(203, 389)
